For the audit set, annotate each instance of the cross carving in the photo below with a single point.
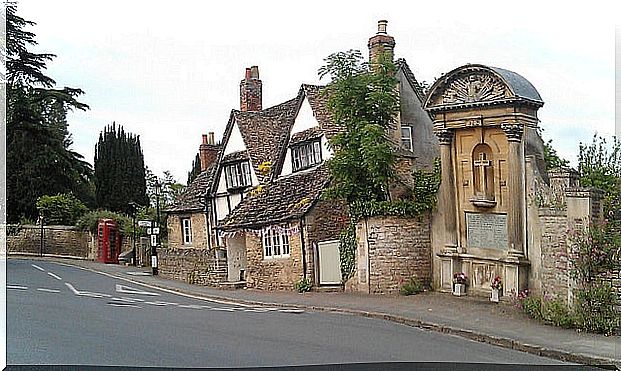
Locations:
(482, 164)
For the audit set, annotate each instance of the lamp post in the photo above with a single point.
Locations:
(41, 223)
(158, 191)
(134, 211)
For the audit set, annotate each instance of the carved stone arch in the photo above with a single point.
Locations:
(483, 176)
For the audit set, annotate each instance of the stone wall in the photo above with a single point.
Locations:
(391, 250)
(192, 265)
(273, 274)
(57, 240)
(554, 262)
(199, 230)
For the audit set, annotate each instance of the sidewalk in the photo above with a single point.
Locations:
(470, 317)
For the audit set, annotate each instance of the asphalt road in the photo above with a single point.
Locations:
(58, 314)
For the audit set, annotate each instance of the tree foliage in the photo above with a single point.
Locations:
(196, 169)
(39, 156)
(599, 165)
(61, 209)
(551, 157)
(364, 102)
(119, 170)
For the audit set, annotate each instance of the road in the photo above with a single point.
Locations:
(59, 314)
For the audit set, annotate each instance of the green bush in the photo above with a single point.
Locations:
(303, 285)
(595, 310)
(532, 305)
(557, 313)
(61, 209)
(90, 220)
(412, 287)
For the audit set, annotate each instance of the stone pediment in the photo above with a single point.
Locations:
(474, 85)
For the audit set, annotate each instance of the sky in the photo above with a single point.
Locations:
(170, 71)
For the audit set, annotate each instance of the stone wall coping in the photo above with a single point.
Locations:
(583, 192)
(552, 211)
(562, 173)
(51, 226)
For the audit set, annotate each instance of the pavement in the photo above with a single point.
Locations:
(474, 318)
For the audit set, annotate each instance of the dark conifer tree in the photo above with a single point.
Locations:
(196, 169)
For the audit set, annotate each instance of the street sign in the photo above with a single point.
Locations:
(144, 223)
(155, 230)
(153, 240)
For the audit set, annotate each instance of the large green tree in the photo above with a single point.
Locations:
(39, 156)
(119, 170)
(364, 102)
(599, 165)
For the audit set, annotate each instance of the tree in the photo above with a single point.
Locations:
(552, 159)
(39, 156)
(599, 165)
(364, 102)
(196, 169)
(119, 170)
(61, 209)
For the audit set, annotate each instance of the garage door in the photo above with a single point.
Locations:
(329, 263)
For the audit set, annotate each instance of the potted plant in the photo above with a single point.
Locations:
(460, 280)
(496, 289)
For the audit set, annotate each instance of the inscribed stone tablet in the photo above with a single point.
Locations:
(487, 230)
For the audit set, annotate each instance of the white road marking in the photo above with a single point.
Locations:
(47, 290)
(131, 290)
(255, 310)
(124, 305)
(132, 299)
(13, 287)
(190, 306)
(139, 273)
(123, 300)
(86, 293)
(37, 267)
(55, 276)
(223, 309)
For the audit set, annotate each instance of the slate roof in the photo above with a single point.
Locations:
(286, 198)
(308, 134)
(235, 156)
(193, 198)
(266, 132)
(520, 86)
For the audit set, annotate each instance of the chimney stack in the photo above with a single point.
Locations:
(208, 151)
(381, 42)
(250, 91)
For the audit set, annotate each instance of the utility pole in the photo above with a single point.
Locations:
(135, 210)
(158, 190)
(42, 235)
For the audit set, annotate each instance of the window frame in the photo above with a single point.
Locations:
(407, 140)
(237, 175)
(186, 231)
(306, 155)
(275, 245)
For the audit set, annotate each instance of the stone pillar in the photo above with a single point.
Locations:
(515, 185)
(446, 197)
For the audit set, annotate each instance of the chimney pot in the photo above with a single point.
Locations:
(381, 27)
(248, 74)
(205, 139)
(254, 72)
(211, 138)
(250, 91)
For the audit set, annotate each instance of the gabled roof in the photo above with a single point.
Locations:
(286, 198)
(409, 75)
(319, 104)
(193, 197)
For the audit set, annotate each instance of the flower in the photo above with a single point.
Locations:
(460, 278)
(497, 283)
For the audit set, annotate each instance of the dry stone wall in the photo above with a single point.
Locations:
(192, 265)
(57, 240)
(555, 265)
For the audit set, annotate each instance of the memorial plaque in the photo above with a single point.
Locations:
(487, 230)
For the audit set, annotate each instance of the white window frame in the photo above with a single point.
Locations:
(306, 155)
(275, 244)
(186, 231)
(237, 175)
(406, 140)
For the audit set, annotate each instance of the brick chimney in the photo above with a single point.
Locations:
(208, 151)
(250, 91)
(381, 42)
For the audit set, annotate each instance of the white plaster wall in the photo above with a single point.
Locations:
(305, 118)
(222, 207)
(235, 142)
(236, 256)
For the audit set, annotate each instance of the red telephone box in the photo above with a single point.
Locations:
(108, 241)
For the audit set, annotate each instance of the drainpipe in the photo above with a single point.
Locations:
(303, 246)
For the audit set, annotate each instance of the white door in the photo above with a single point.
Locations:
(329, 263)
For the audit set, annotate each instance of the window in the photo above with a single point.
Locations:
(306, 155)
(186, 230)
(275, 243)
(406, 137)
(237, 175)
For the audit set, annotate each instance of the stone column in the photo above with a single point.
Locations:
(446, 199)
(515, 185)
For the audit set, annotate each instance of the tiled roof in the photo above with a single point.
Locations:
(319, 104)
(193, 198)
(308, 134)
(286, 198)
(235, 156)
(266, 132)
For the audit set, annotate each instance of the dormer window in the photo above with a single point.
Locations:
(237, 175)
(406, 137)
(306, 155)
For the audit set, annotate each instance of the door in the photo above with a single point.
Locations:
(329, 263)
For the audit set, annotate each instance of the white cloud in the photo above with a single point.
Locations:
(170, 71)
